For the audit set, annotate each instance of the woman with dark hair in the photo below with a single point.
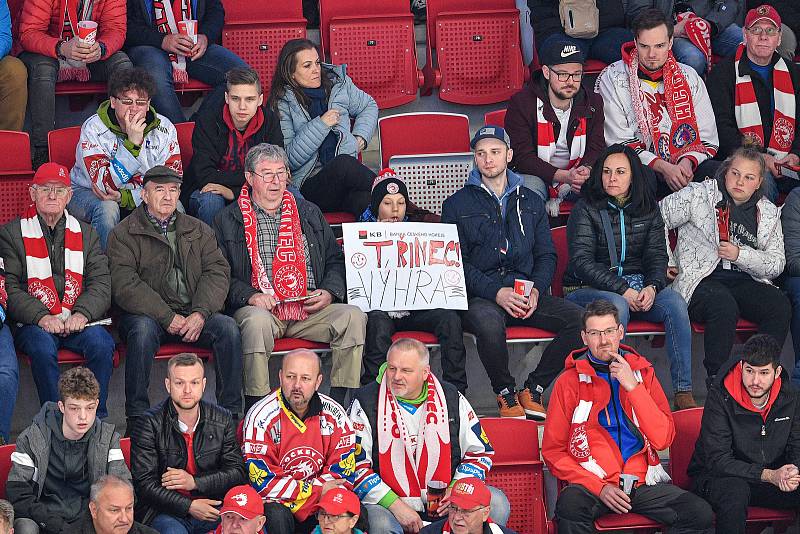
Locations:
(730, 247)
(316, 103)
(617, 252)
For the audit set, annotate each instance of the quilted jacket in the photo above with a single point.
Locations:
(692, 211)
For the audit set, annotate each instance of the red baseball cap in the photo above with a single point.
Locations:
(338, 501)
(51, 172)
(243, 501)
(470, 492)
(762, 12)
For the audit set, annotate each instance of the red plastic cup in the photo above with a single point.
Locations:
(523, 287)
(188, 27)
(87, 31)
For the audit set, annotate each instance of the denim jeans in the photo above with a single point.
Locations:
(723, 44)
(210, 69)
(42, 76)
(143, 337)
(383, 521)
(669, 308)
(488, 322)
(205, 206)
(169, 524)
(94, 343)
(9, 380)
(606, 46)
(103, 215)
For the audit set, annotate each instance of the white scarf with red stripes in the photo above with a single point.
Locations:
(579, 440)
(37, 262)
(165, 17)
(748, 116)
(70, 69)
(546, 147)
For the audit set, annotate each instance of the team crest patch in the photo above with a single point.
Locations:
(784, 133)
(663, 147)
(579, 442)
(304, 461)
(753, 139)
(392, 188)
(684, 135)
(259, 474)
(763, 10)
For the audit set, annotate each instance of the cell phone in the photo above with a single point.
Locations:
(300, 299)
(790, 171)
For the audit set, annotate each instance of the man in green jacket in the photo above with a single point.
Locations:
(171, 280)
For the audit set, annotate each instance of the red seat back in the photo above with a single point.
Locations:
(687, 430)
(14, 195)
(5, 466)
(16, 151)
(495, 118)
(62, 144)
(125, 445)
(559, 236)
(422, 133)
(185, 130)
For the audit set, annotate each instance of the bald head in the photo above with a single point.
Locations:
(301, 376)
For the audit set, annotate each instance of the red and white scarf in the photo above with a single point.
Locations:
(579, 440)
(69, 69)
(408, 475)
(289, 263)
(546, 147)
(165, 18)
(698, 31)
(37, 262)
(3, 292)
(494, 528)
(748, 116)
(684, 135)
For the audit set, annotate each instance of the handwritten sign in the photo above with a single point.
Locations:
(404, 266)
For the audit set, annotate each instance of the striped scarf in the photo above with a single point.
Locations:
(69, 69)
(748, 116)
(40, 272)
(405, 474)
(165, 18)
(698, 31)
(289, 264)
(579, 440)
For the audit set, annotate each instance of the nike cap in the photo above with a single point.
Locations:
(559, 50)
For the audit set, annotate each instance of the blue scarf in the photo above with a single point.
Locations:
(318, 105)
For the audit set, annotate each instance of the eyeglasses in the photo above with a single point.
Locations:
(770, 31)
(564, 76)
(608, 332)
(268, 177)
(130, 101)
(47, 190)
(455, 510)
(322, 515)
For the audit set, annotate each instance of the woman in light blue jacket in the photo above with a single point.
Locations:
(316, 103)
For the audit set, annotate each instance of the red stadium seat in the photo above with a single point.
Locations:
(125, 445)
(62, 143)
(69, 357)
(336, 218)
(16, 152)
(422, 133)
(185, 130)
(14, 195)
(743, 327)
(256, 32)
(377, 45)
(687, 430)
(477, 45)
(430, 340)
(495, 118)
(5, 466)
(517, 471)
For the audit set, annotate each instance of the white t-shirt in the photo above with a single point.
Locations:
(560, 157)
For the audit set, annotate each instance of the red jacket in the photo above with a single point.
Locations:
(38, 26)
(652, 412)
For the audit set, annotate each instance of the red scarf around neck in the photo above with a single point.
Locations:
(289, 262)
(239, 142)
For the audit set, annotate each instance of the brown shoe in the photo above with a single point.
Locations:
(684, 400)
(533, 404)
(509, 407)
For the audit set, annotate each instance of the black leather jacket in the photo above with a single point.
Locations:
(157, 443)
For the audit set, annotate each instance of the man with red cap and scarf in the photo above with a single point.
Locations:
(657, 106)
(607, 418)
(242, 512)
(467, 511)
(755, 99)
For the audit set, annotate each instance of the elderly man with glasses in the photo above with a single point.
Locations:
(287, 276)
(118, 144)
(467, 511)
(58, 283)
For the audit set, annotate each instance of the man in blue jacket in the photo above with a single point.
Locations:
(505, 236)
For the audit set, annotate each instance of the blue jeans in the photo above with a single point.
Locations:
(792, 286)
(205, 206)
(607, 46)
(103, 215)
(169, 524)
(94, 343)
(210, 69)
(669, 308)
(9, 380)
(383, 521)
(724, 45)
(143, 337)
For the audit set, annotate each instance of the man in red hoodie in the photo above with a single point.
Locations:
(607, 419)
(748, 451)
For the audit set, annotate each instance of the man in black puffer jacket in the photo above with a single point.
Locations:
(184, 454)
(748, 451)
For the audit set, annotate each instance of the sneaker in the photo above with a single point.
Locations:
(684, 400)
(533, 404)
(509, 407)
